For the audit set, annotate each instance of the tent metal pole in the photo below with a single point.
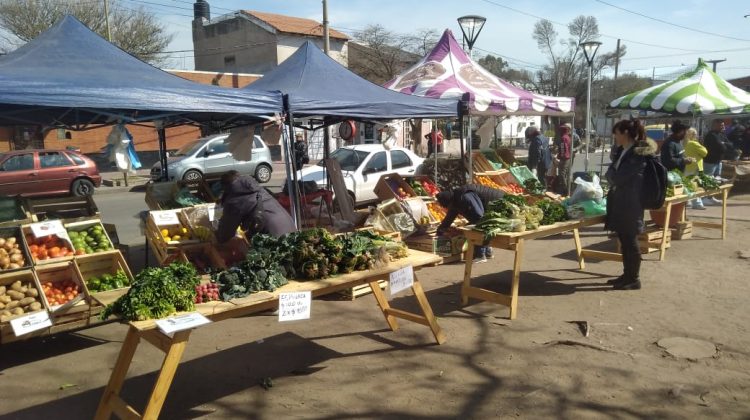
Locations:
(291, 177)
(162, 133)
(468, 147)
(461, 131)
(326, 151)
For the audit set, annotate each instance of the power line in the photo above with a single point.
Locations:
(670, 23)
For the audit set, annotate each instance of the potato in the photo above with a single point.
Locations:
(32, 292)
(16, 286)
(2, 290)
(5, 299)
(26, 301)
(11, 240)
(4, 263)
(13, 266)
(2, 306)
(2, 241)
(16, 256)
(36, 306)
(16, 295)
(12, 305)
(17, 311)
(4, 318)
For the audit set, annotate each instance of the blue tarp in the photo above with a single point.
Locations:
(70, 76)
(317, 85)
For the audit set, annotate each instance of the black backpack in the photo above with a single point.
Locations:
(654, 189)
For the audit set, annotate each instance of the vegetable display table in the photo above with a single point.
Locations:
(667, 208)
(174, 346)
(514, 241)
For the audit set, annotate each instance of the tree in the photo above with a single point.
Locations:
(380, 54)
(501, 69)
(133, 29)
(566, 73)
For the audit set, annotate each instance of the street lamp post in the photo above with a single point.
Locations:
(471, 26)
(589, 51)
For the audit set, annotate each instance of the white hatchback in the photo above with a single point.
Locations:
(362, 166)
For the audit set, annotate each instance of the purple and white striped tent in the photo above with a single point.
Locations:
(448, 73)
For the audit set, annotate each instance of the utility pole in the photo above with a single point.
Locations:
(326, 37)
(715, 62)
(106, 20)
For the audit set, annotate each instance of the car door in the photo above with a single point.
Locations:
(56, 171)
(18, 175)
(216, 158)
(369, 175)
(401, 163)
(247, 167)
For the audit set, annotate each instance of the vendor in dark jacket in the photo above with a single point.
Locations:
(672, 152)
(540, 158)
(716, 143)
(245, 203)
(624, 206)
(470, 202)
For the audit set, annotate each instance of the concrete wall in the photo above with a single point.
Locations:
(288, 45)
(253, 48)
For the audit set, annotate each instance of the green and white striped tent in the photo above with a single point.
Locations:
(699, 92)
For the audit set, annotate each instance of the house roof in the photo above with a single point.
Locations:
(294, 25)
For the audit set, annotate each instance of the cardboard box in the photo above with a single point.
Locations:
(438, 245)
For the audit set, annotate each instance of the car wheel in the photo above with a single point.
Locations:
(192, 176)
(263, 173)
(82, 188)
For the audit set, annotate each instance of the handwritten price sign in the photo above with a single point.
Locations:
(401, 280)
(294, 306)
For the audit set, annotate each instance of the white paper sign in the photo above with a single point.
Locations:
(181, 322)
(50, 227)
(294, 306)
(211, 212)
(30, 323)
(401, 280)
(165, 217)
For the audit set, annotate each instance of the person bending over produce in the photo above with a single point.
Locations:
(468, 201)
(624, 206)
(250, 206)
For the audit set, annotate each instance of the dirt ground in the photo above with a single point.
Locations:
(345, 364)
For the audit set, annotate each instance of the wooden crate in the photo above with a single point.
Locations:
(204, 257)
(84, 225)
(28, 239)
(683, 230)
(95, 265)
(420, 179)
(155, 224)
(360, 290)
(69, 208)
(15, 232)
(480, 163)
(15, 211)
(26, 276)
(54, 273)
(388, 185)
(676, 190)
(161, 195)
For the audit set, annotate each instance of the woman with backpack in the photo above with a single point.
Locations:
(624, 200)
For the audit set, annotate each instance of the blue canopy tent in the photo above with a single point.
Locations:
(315, 85)
(71, 77)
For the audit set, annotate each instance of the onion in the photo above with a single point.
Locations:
(11, 240)
(2, 241)
(16, 258)
(4, 262)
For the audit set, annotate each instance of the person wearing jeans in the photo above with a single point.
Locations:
(716, 143)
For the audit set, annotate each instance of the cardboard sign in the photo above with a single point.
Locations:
(294, 306)
(401, 280)
(30, 323)
(50, 227)
(165, 217)
(181, 322)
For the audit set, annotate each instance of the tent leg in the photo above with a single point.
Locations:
(326, 150)
(290, 170)
(162, 133)
(461, 130)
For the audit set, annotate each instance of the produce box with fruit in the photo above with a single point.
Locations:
(48, 242)
(88, 237)
(13, 253)
(167, 228)
(106, 275)
(422, 185)
(393, 186)
(63, 290)
(19, 295)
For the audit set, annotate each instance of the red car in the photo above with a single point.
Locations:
(47, 172)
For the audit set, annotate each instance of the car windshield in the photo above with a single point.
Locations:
(349, 159)
(188, 149)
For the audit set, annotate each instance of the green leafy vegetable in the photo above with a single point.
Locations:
(553, 212)
(533, 186)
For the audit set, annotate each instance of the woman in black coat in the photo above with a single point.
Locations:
(624, 207)
(245, 203)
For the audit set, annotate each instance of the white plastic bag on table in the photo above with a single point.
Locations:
(586, 190)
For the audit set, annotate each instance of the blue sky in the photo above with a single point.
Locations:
(710, 29)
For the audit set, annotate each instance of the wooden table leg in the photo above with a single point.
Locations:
(467, 273)
(579, 250)
(724, 196)
(384, 305)
(516, 279)
(665, 231)
(166, 374)
(116, 379)
(427, 311)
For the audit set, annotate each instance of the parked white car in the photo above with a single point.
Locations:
(362, 166)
